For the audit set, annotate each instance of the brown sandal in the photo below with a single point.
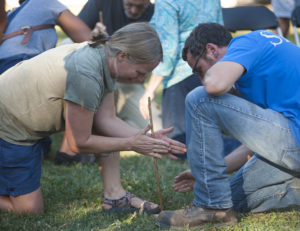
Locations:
(123, 205)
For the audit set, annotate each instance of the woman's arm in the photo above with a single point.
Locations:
(116, 135)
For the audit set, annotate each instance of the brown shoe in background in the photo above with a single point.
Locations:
(192, 216)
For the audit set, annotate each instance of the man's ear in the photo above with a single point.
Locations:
(211, 50)
(122, 56)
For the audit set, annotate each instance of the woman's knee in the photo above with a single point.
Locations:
(29, 203)
(31, 208)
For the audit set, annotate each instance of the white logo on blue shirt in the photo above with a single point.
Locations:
(271, 36)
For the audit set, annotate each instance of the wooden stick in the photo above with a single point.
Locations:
(100, 16)
(155, 160)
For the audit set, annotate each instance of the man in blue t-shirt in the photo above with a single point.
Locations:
(251, 92)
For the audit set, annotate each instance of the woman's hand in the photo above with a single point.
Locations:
(175, 146)
(157, 146)
(146, 145)
(184, 182)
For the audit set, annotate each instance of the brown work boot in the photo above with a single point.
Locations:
(192, 216)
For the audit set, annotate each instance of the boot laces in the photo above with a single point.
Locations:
(189, 208)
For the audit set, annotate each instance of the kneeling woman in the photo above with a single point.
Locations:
(71, 88)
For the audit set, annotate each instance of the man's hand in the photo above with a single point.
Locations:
(99, 27)
(184, 182)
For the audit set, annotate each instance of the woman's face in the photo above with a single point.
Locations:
(125, 71)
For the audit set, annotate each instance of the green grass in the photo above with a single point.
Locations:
(72, 197)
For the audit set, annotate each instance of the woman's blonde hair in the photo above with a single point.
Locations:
(139, 40)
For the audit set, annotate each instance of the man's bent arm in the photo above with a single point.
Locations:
(220, 78)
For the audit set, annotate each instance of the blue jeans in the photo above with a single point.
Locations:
(173, 112)
(261, 184)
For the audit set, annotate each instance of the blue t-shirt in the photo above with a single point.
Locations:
(272, 77)
(35, 12)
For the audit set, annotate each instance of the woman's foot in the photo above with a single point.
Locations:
(129, 203)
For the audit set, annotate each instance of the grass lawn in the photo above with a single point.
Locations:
(72, 197)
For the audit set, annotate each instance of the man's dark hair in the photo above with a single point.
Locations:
(201, 35)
